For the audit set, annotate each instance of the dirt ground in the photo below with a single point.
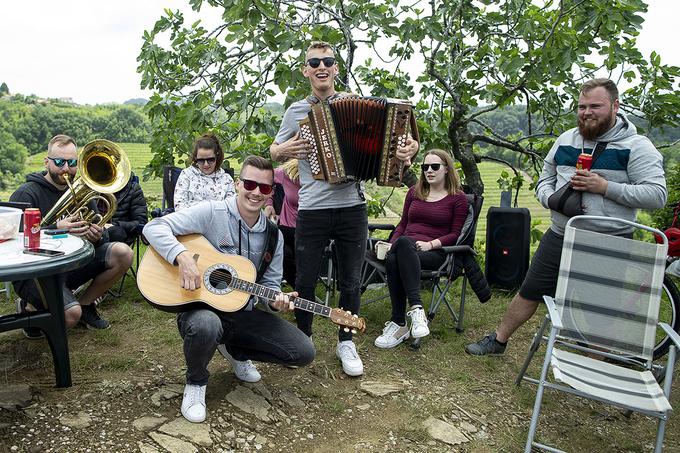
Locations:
(127, 384)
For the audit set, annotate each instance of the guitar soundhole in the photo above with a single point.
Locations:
(220, 279)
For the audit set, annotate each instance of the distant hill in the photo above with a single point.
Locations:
(136, 101)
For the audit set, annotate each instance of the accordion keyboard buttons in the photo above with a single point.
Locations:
(312, 158)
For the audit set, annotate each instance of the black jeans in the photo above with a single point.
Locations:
(403, 264)
(288, 254)
(349, 228)
(248, 335)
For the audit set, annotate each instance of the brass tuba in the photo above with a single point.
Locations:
(104, 169)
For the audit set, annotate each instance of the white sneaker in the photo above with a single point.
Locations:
(393, 334)
(245, 371)
(351, 362)
(193, 403)
(419, 327)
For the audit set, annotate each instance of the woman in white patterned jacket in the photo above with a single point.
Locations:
(204, 179)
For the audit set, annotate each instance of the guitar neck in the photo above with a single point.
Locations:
(270, 295)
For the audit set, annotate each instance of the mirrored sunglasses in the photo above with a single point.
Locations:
(209, 160)
(327, 62)
(265, 189)
(60, 162)
(434, 167)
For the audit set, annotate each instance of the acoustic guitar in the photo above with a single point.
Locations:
(227, 283)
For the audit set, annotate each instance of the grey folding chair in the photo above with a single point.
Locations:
(606, 304)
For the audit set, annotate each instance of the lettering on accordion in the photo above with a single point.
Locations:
(327, 142)
(313, 156)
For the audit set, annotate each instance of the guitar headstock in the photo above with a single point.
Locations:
(347, 320)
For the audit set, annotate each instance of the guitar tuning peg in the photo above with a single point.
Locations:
(355, 316)
(338, 327)
(346, 329)
(354, 330)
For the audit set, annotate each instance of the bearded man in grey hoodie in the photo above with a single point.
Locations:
(235, 226)
(627, 176)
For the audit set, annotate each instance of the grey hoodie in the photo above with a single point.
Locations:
(630, 163)
(221, 224)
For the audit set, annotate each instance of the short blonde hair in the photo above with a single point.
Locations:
(61, 140)
(320, 45)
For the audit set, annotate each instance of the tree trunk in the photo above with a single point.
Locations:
(462, 151)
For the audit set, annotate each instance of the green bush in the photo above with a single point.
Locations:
(662, 218)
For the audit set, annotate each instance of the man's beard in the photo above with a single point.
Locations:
(593, 131)
(58, 178)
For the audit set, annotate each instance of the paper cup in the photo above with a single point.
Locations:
(381, 249)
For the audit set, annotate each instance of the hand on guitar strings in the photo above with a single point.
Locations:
(283, 303)
(189, 276)
(406, 152)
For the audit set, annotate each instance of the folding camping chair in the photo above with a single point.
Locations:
(606, 304)
(442, 278)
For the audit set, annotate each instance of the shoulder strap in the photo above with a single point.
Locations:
(269, 248)
(599, 147)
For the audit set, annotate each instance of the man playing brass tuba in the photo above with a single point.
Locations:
(43, 190)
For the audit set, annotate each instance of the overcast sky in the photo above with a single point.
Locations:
(87, 49)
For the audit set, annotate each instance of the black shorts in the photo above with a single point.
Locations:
(541, 279)
(30, 294)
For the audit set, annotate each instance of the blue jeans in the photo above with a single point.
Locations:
(349, 228)
(248, 335)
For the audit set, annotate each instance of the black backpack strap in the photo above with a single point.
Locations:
(599, 147)
(271, 242)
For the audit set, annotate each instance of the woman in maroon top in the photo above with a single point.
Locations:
(434, 212)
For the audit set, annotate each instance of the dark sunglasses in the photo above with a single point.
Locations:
(60, 162)
(265, 189)
(209, 160)
(434, 167)
(327, 62)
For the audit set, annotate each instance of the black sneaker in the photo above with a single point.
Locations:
(33, 333)
(486, 346)
(91, 318)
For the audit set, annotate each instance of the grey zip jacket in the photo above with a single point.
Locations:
(630, 163)
(221, 224)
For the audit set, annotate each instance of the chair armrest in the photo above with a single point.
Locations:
(555, 317)
(458, 248)
(380, 226)
(671, 333)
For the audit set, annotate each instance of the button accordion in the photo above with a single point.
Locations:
(356, 138)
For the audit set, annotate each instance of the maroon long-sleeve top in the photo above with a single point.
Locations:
(429, 220)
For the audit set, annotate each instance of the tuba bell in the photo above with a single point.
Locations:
(104, 169)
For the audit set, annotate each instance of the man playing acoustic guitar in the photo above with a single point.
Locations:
(235, 226)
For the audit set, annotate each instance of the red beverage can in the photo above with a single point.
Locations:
(32, 228)
(584, 161)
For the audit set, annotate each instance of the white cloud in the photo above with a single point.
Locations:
(87, 49)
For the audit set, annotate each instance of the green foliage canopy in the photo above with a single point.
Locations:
(459, 58)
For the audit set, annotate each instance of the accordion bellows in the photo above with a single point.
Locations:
(356, 138)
